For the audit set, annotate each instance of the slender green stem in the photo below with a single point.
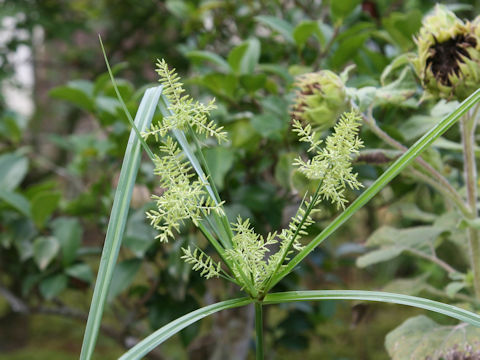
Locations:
(309, 209)
(468, 125)
(259, 331)
(440, 183)
(122, 103)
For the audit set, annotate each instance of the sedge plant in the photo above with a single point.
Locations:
(254, 262)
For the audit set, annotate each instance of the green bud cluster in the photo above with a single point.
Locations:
(320, 99)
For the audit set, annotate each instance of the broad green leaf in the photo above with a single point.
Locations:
(417, 125)
(45, 249)
(123, 276)
(304, 30)
(17, 201)
(69, 233)
(220, 161)
(201, 55)
(422, 338)
(77, 92)
(139, 235)
(410, 286)
(349, 43)
(53, 285)
(221, 85)
(284, 169)
(268, 125)
(80, 271)
(392, 242)
(403, 26)
(43, 205)
(104, 80)
(380, 255)
(279, 25)
(13, 168)
(244, 58)
(454, 287)
(341, 9)
(253, 82)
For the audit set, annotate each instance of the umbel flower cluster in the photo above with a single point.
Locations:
(246, 258)
(448, 59)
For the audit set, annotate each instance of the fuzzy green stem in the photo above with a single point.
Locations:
(441, 184)
(467, 126)
(259, 331)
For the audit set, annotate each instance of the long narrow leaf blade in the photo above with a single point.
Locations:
(416, 149)
(118, 218)
(418, 302)
(162, 334)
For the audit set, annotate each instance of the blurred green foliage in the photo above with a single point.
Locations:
(58, 168)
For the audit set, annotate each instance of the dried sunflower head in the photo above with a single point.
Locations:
(448, 58)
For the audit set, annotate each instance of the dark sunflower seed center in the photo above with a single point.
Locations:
(445, 57)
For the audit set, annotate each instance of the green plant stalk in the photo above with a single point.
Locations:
(402, 162)
(118, 218)
(122, 103)
(441, 184)
(167, 331)
(259, 331)
(467, 126)
(292, 240)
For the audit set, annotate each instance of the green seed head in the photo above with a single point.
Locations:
(320, 99)
(448, 59)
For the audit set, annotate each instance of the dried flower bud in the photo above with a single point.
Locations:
(320, 99)
(448, 59)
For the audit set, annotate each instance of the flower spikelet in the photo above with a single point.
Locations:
(184, 196)
(332, 164)
(185, 112)
(250, 252)
(201, 262)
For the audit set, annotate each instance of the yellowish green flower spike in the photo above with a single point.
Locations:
(184, 197)
(201, 262)
(185, 112)
(448, 58)
(320, 99)
(332, 164)
(252, 259)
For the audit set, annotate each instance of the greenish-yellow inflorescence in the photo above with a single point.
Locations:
(332, 164)
(251, 257)
(448, 55)
(184, 197)
(185, 112)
